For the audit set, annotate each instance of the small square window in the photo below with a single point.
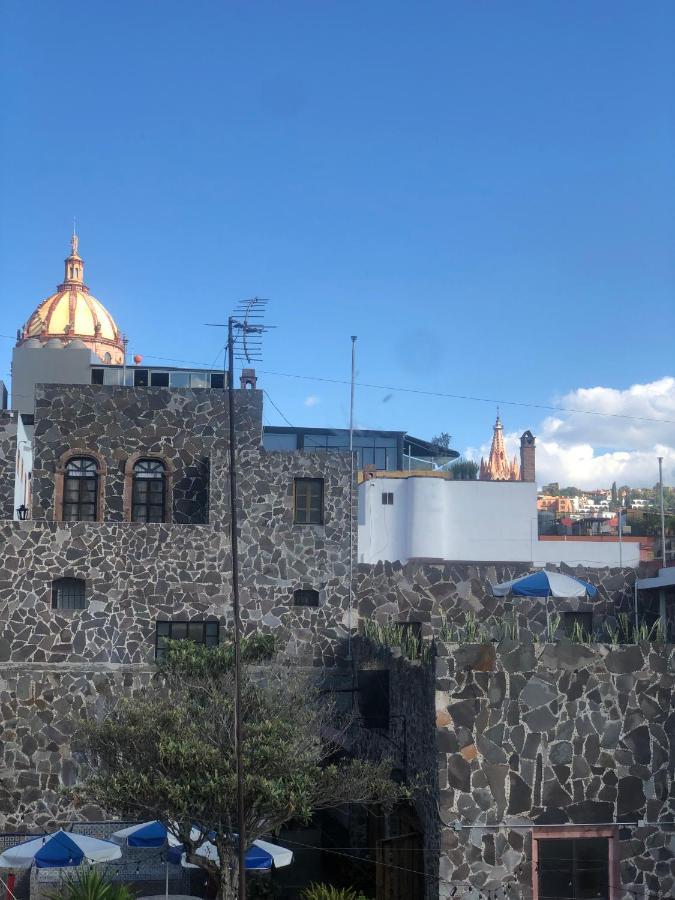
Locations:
(305, 597)
(68, 593)
(387, 498)
(140, 377)
(308, 501)
(97, 376)
(217, 380)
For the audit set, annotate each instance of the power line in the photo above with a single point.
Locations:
(492, 400)
(277, 408)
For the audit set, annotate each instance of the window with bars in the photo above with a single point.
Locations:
(68, 593)
(305, 597)
(149, 491)
(309, 501)
(80, 490)
(199, 632)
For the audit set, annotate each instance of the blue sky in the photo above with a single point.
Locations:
(483, 192)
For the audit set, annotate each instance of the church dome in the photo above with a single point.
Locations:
(72, 313)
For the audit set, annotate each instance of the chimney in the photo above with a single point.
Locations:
(248, 379)
(527, 459)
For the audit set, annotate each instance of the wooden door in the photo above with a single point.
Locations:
(400, 868)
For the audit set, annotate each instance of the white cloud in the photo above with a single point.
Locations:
(312, 400)
(592, 451)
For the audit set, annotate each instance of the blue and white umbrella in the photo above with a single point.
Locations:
(55, 851)
(261, 856)
(545, 584)
(146, 834)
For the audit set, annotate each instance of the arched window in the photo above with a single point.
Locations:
(80, 490)
(149, 491)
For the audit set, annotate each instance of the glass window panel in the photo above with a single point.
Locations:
(179, 379)
(97, 376)
(217, 380)
(380, 458)
(212, 630)
(179, 631)
(196, 632)
(315, 442)
(163, 628)
(112, 376)
(274, 441)
(199, 380)
(159, 379)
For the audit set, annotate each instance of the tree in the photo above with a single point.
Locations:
(615, 494)
(442, 440)
(168, 753)
(464, 469)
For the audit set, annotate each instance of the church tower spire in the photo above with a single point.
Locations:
(498, 467)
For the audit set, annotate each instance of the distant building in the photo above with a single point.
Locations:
(498, 467)
(386, 451)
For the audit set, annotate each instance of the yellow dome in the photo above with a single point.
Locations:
(72, 312)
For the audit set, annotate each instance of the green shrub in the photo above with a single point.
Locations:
(328, 892)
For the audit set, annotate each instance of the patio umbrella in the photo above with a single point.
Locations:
(545, 584)
(54, 851)
(261, 856)
(149, 836)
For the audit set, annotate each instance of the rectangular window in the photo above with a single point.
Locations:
(217, 380)
(573, 868)
(97, 376)
(199, 380)
(140, 377)
(309, 501)
(387, 498)
(179, 379)
(373, 698)
(159, 379)
(207, 633)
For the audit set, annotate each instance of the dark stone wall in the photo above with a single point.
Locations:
(184, 426)
(7, 464)
(559, 733)
(447, 594)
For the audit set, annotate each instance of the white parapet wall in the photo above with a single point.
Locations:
(408, 516)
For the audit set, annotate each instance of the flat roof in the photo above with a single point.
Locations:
(665, 578)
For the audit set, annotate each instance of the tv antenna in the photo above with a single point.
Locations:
(244, 341)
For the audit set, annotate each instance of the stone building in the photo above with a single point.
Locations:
(535, 760)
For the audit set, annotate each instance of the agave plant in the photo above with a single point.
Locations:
(328, 892)
(88, 883)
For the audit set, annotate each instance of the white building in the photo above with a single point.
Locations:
(407, 515)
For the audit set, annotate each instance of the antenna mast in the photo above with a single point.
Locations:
(244, 340)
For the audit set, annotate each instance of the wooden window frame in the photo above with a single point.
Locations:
(308, 504)
(573, 832)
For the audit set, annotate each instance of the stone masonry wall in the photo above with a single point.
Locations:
(186, 427)
(534, 734)
(7, 463)
(445, 594)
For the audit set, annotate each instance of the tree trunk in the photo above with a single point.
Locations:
(229, 877)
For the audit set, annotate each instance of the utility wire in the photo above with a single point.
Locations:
(277, 408)
(468, 397)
